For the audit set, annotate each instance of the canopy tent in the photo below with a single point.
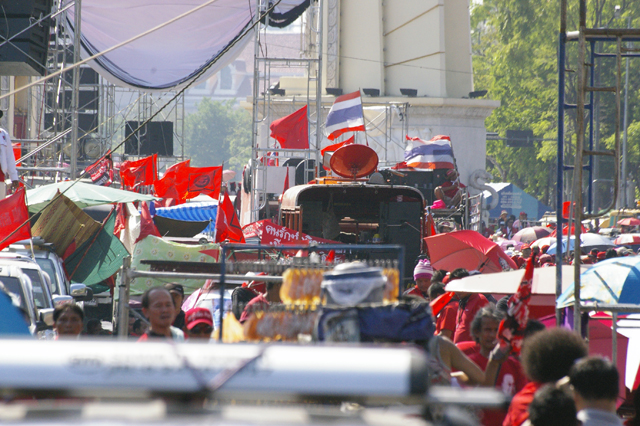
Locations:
(82, 194)
(159, 60)
(514, 200)
(192, 212)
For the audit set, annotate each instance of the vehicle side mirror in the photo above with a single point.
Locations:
(81, 293)
(41, 326)
(46, 316)
(59, 299)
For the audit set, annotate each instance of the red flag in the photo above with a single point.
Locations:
(511, 330)
(175, 181)
(121, 218)
(140, 172)
(286, 182)
(13, 213)
(292, 131)
(147, 227)
(101, 171)
(431, 226)
(204, 180)
(227, 223)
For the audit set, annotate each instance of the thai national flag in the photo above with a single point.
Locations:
(434, 154)
(345, 115)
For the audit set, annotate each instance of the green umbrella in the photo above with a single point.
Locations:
(83, 194)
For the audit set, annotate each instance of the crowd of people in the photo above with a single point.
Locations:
(552, 382)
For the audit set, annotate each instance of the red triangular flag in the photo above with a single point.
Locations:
(292, 131)
(14, 219)
(147, 227)
(227, 223)
(511, 330)
(140, 172)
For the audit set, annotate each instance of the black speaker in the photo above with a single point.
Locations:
(26, 54)
(155, 137)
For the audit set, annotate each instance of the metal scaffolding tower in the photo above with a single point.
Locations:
(584, 69)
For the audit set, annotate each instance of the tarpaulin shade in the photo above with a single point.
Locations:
(178, 228)
(98, 258)
(82, 194)
(195, 212)
(171, 56)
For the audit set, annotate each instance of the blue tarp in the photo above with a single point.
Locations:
(514, 200)
(192, 212)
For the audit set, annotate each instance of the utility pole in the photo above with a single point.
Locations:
(76, 91)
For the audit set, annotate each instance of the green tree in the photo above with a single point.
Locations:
(515, 58)
(218, 133)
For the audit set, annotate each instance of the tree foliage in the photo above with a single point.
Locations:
(218, 133)
(515, 45)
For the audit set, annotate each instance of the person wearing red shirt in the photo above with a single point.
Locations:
(262, 301)
(511, 378)
(422, 274)
(446, 318)
(451, 191)
(546, 357)
(468, 306)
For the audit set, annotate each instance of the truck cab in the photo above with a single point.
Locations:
(357, 212)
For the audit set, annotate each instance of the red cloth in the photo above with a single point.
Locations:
(13, 214)
(466, 312)
(510, 380)
(121, 219)
(414, 291)
(468, 348)
(204, 180)
(257, 303)
(174, 182)
(518, 410)
(147, 227)
(140, 172)
(446, 319)
(227, 223)
(292, 131)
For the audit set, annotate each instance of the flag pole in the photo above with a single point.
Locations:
(366, 139)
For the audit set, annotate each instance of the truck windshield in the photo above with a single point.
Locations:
(13, 285)
(39, 292)
(47, 266)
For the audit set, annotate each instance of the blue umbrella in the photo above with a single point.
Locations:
(611, 281)
(587, 242)
(11, 320)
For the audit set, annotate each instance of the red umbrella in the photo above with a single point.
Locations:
(529, 235)
(469, 250)
(627, 239)
(629, 221)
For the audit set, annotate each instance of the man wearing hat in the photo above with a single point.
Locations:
(450, 192)
(422, 274)
(177, 294)
(502, 220)
(7, 163)
(522, 222)
(199, 323)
